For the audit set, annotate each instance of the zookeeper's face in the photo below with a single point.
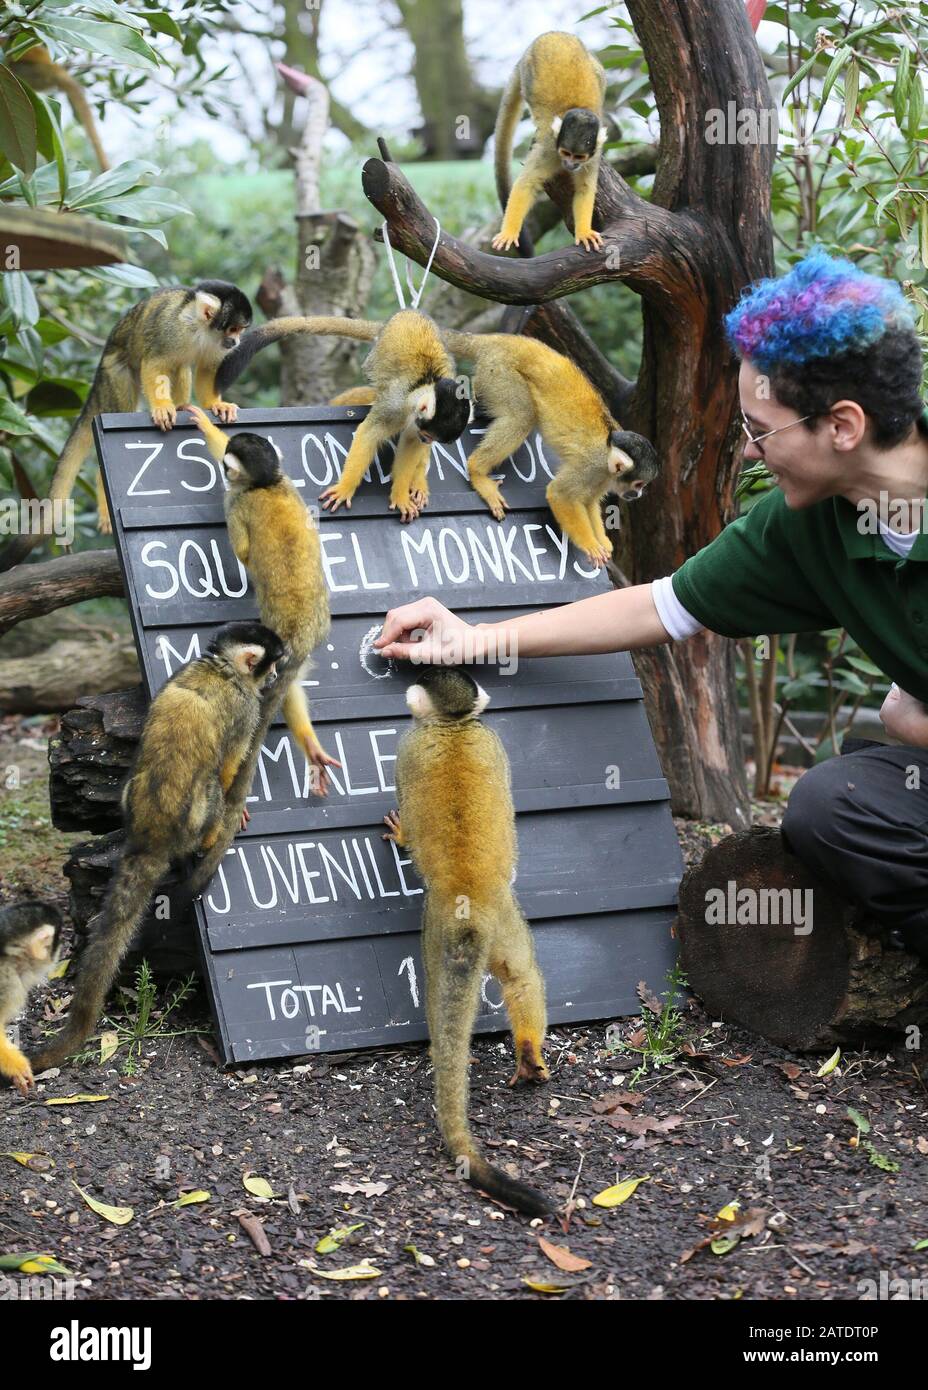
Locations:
(808, 464)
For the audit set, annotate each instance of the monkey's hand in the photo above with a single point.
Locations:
(503, 240)
(334, 496)
(589, 240)
(394, 830)
(246, 817)
(165, 415)
(318, 760)
(406, 504)
(104, 524)
(225, 411)
(491, 494)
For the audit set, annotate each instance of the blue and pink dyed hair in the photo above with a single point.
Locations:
(824, 307)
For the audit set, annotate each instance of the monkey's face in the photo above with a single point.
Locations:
(252, 649)
(30, 936)
(633, 462)
(579, 135)
(439, 411)
(225, 310)
(446, 692)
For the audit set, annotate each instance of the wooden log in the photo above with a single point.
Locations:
(90, 757)
(167, 939)
(51, 680)
(768, 946)
(31, 590)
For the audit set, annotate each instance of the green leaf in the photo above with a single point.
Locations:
(851, 92)
(842, 56)
(799, 74)
(113, 183)
(12, 419)
(916, 106)
(19, 297)
(134, 277)
(94, 36)
(862, 1123)
(112, 10)
(51, 140)
(18, 134)
(861, 663)
(901, 86)
(162, 23)
(923, 233)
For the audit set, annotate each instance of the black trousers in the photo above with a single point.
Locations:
(860, 821)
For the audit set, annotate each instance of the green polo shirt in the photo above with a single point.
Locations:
(777, 570)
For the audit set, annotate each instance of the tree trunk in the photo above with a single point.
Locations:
(458, 115)
(688, 253)
(334, 270)
(768, 946)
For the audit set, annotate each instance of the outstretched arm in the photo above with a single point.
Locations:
(621, 620)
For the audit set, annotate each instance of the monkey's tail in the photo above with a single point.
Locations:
(77, 446)
(235, 362)
(510, 109)
(454, 986)
(137, 875)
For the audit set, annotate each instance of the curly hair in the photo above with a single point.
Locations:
(826, 332)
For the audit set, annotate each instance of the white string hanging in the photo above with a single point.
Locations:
(415, 294)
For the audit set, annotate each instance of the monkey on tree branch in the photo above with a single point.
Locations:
(688, 252)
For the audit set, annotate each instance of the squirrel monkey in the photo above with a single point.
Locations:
(417, 398)
(274, 535)
(30, 935)
(525, 385)
(456, 819)
(197, 732)
(165, 346)
(37, 68)
(563, 86)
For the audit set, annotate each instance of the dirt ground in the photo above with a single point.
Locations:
(826, 1206)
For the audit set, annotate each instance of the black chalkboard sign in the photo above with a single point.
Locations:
(309, 931)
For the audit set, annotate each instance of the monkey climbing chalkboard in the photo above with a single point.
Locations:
(309, 931)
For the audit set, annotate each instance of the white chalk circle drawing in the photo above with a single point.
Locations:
(367, 655)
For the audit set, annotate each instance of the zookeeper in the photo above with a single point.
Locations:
(830, 387)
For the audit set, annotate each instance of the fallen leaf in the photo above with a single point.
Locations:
(109, 1043)
(190, 1199)
(615, 1196)
(119, 1216)
(612, 1099)
(545, 1288)
(649, 999)
(827, 1067)
(736, 1061)
(336, 1238)
(59, 970)
(37, 1162)
(254, 1230)
(258, 1187)
(560, 1255)
(80, 1099)
(427, 1260)
(365, 1270)
(34, 1262)
(367, 1189)
(790, 1070)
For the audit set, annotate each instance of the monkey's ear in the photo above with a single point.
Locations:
(556, 126)
(40, 942)
(246, 658)
(601, 137)
(419, 702)
(233, 466)
(481, 701)
(207, 306)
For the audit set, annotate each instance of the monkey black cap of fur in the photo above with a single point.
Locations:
(257, 456)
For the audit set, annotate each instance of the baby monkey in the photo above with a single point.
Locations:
(30, 936)
(456, 818)
(196, 734)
